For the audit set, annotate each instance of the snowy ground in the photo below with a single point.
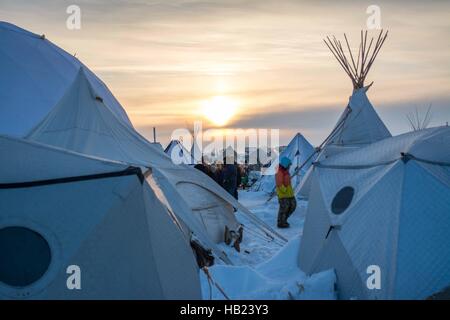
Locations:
(267, 269)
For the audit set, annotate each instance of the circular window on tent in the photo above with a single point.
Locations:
(342, 200)
(24, 254)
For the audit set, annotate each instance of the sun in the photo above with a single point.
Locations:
(219, 109)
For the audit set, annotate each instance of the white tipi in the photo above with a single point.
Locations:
(359, 125)
(383, 208)
(178, 153)
(99, 221)
(300, 152)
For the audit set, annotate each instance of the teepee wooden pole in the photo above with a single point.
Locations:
(338, 58)
(368, 51)
(351, 56)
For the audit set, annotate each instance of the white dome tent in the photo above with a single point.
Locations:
(387, 205)
(300, 152)
(87, 119)
(61, 209)
(33, 65)
(359, 125)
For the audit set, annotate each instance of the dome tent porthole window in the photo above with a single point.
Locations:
(26, 256)
(342, 200)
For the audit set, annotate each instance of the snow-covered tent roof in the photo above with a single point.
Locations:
(386, 205)
(86, 118)
(178, 153)
(34, 75)
(61, 209)
(300, 151)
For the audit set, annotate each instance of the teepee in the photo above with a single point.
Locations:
(63, 212)
(359, 125)
(178, 153)
(300, 152)
(87, 119)
(385, 206)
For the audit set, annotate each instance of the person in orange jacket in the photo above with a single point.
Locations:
(285, 193)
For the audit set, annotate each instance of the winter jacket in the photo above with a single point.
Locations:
(283, 183)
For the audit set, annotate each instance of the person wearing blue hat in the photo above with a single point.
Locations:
(285, 193)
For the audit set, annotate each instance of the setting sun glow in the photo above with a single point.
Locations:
(219, 110)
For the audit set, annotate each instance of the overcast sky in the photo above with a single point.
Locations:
(161, 59)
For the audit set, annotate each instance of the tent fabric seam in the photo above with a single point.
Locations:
(29, 184)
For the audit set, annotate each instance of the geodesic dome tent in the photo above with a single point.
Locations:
(75, 111)
(388, 205)
(60, 209)
(35, 76)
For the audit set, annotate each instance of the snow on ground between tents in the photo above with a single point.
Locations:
(279, 278)
(267, 269)
(257, 247)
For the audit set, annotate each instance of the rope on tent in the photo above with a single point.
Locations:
(192, 236)
(355, 167)
(264, 226)
(210, 278)
(263, 237)
(210, 288)
(233, 202)
(348, 110)
(404, 156)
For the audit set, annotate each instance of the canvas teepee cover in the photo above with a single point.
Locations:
(359, 125)
(384, 205)
(60, 209)
(176, 151)
(300, 151)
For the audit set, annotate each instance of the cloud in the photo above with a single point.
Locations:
(160, 58)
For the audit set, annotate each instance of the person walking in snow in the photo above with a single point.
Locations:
(285, 193)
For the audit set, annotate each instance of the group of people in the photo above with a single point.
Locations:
(231, 176)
